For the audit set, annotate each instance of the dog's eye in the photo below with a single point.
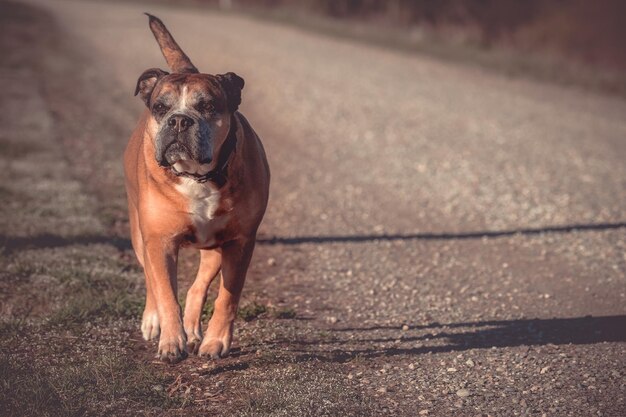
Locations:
(159, 108)
(206, 107)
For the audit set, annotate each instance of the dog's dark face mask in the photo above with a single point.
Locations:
(193, 114)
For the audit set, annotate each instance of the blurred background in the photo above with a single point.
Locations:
(446, 232)
(564, 40)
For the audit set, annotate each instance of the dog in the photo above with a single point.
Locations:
(196, 175)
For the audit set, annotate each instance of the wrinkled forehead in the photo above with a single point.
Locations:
(193, 87)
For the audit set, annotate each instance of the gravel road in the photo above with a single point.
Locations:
(451, 240)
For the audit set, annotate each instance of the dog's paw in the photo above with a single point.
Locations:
(218, 337)
(216, 344)
(194, 339)
(150, 327)
(213, 348)
(172, 349)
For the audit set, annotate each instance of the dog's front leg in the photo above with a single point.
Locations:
(210, 263)
(235, 260)
(160, 261)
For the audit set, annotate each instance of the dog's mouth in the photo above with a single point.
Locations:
(190, 167)
(177, 157)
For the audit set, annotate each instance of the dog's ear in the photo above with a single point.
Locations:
(146, 83)
(232, 85)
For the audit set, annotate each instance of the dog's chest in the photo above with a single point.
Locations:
(203, 201)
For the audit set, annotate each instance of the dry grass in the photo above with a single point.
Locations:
(107, 384)
(69, 298)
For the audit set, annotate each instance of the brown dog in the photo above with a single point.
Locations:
(196, 175)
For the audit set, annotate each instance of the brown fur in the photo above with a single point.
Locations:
(174, 56)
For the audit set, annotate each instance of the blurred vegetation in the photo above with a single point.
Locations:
(591, 31)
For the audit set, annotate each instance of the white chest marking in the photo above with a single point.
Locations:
(204, 200)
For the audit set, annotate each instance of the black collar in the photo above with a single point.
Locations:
(218, 176)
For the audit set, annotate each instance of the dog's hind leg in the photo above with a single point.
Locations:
(210, 263)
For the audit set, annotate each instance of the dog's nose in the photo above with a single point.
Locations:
(180, 122)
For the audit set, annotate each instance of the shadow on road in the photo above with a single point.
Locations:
(440, 236)
(11, 244)
(453, 337)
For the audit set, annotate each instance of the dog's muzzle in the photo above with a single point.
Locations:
(180, 122)
(181, 139)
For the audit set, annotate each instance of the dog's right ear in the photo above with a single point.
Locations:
(146, 83)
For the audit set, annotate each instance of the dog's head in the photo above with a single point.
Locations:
(193, 113)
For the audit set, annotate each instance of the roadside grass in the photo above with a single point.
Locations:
(68, 309)
(284, 313)
(253, 310)
(72, 285)
(69, 314)
(107, 384)
(248, 311)
(103, 287)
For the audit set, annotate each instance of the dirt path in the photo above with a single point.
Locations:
(449, 241)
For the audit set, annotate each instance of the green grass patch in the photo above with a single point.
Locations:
(89, 287)
(74, 285)
(89, 304)
(108, 384)
(251, 311)
(283, 313)
(254, 310)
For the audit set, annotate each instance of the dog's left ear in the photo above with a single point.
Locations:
(146, 83)
(232, 85)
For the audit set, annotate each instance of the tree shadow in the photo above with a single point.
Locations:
(482, 234)
(12, 244)
(454, 337)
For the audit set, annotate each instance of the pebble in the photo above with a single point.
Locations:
(424, 412)
(469, 362)
(463, 393)
(405, 327)
(271, 262)
(332, 319)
